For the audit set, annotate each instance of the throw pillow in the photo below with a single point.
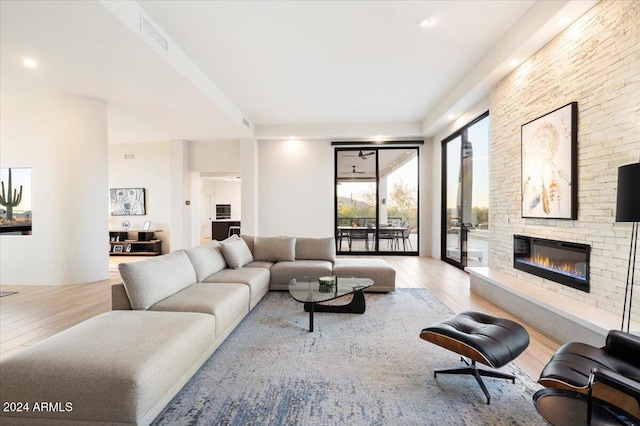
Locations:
(249, 240)
(236, 252)
(274, 249)
(207, 259)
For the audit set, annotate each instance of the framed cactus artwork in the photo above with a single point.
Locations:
(127, 202)
(549, 170)
(15, 201)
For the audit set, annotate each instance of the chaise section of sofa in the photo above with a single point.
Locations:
(121, 367)
(382, 274)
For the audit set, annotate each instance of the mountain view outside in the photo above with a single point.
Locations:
(398, 204)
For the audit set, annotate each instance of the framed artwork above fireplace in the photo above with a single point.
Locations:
(549, 169)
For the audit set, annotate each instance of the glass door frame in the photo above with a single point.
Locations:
(462, 133)
(377, 147)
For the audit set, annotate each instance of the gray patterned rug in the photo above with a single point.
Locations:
(369, 369)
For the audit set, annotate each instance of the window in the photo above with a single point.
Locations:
(465, 195)
(377, 200)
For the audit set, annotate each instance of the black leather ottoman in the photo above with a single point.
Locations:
(483, 338)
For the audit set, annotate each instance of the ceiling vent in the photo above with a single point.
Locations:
(128, 156)
(148, 29)
(246, 123)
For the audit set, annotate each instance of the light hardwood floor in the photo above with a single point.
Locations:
(37, 312)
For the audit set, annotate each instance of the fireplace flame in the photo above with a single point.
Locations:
(546, 263)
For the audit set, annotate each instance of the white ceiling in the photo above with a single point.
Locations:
(286, 66)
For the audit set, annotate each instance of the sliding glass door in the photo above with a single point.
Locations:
(465, 199)
(377, 200)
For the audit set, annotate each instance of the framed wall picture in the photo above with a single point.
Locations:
(127, 202)
(549, 169)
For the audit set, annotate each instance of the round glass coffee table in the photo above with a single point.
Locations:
(309, 291)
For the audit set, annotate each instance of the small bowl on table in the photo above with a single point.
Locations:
(328, 281)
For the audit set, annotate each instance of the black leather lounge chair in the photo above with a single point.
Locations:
(571, 367)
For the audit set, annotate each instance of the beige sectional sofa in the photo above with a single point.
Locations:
(169, 315)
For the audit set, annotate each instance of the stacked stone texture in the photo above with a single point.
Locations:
(595, 62)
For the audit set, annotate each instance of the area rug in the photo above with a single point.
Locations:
(7, 293)
(369, 369)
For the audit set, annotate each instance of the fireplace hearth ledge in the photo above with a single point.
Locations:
(561, 317)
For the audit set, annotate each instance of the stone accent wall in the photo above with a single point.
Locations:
(596, 62)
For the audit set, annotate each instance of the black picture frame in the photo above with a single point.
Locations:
(549, 176)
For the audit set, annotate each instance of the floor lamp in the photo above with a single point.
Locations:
(628, 210)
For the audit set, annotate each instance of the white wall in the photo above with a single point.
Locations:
(429, 183)
(225, 193)
(297, 194)
(219, 156)
(149, 170)
(249, 197)
(296, 188)
(63, 138)
(180, 195)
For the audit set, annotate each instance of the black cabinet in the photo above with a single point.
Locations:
(134, 243)
(220, 229)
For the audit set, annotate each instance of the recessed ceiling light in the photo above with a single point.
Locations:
(29, 63)
(514, 63)
(563, 21)
(451, 116)
(424, 22)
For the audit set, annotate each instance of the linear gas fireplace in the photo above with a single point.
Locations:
(563, 262)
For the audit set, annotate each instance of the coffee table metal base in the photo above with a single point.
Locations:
(356, 306)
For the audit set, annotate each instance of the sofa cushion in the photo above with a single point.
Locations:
(227, 302)
(382, 274)
(249, 240)
(151, 280)
(256, 279)
(236, 252)
(260, 264)
(119, 367)
(207, 259)
(274, 249)
(283, 272)
(316, 249)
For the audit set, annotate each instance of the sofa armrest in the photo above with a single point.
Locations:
(624, 346)
(119, 299)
